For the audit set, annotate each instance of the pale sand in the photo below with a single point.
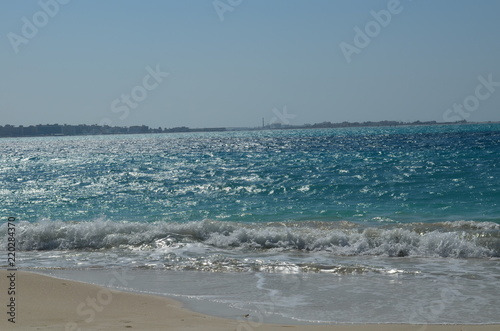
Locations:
(45, 303)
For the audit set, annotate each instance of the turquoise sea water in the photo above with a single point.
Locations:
(419, 204)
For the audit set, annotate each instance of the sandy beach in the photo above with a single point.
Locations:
(46, 303)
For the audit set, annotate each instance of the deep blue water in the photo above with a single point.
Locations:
(402, 174)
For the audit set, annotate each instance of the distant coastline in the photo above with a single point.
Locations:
(43, 130)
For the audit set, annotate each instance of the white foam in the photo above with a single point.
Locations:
(460, 240)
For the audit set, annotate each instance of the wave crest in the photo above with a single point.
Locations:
(449, 239)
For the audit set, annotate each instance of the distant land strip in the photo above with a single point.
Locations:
(42, 130)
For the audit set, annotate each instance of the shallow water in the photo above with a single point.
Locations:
(411, 291)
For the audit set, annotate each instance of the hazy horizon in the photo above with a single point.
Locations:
(230, 63)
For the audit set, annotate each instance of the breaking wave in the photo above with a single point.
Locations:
(460, 239)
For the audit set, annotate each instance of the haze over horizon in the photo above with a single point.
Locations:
(230, 63)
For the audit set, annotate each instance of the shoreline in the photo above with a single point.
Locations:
(47, 303)
(110, 131)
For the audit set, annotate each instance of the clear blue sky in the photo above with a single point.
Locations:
(88, 55)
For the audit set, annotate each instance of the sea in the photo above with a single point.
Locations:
(333, 226)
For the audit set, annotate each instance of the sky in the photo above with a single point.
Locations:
(231, 63)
